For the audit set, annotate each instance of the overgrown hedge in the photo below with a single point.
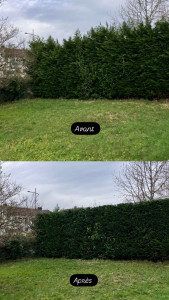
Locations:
(124, 231)
(15, 88)
(107, 62)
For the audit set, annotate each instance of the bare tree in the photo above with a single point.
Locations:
(11, 203)
(134, 12)
(9, 190)
(144, 181)
(8, 33)
(9, 41)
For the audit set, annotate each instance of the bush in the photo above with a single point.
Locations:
(15, 89)
(28, 248)
(17, 248)
(124, 231)
(3, 254)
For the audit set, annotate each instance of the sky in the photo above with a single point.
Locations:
(58, 18)
(68, 184)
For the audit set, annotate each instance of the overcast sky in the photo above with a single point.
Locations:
(67, 184)
(59, 18)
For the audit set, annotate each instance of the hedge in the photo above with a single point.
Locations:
(107, 62)
(17, 248)
(123, 231)
(15, 88)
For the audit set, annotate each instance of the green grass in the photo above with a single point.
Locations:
(41, 130)
(46, 279)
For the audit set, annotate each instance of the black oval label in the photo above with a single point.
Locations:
(85, 128)
(83, 280)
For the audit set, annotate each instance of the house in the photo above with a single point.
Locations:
(17, 220)
(12, 63)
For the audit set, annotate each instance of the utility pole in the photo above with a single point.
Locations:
(32, 34)
(35, 199)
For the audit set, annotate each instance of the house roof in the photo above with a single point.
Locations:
(21, 53)
(24, 211)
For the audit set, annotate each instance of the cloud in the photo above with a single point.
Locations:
(67, 184)
(59, 18)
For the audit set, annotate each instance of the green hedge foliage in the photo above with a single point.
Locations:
(17, 248)
(16, 88)
(107, 62)
(124, 231)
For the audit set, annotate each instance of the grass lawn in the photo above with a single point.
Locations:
(40, 130)
(46, 279)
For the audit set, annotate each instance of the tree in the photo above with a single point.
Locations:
(144, 181)
(11, 200)
(9, 40)
(57, 208)
(42, 66)
(8, 190)
(8, 32)
(135, 12)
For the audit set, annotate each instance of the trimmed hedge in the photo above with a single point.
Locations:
(107, 62)
(124, 231)
(17, 248)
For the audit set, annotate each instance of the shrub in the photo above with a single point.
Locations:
(15, 89)
(17, 248)
(3, 254)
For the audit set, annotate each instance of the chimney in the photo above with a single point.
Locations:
(40, 208)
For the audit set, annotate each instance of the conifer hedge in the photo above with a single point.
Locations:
(107, 62)
(123, 231)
